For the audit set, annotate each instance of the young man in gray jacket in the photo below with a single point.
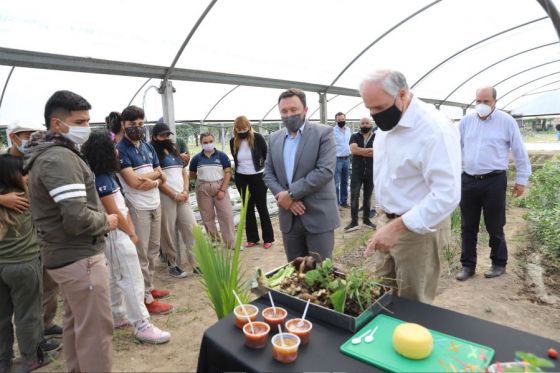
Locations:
(72, 230)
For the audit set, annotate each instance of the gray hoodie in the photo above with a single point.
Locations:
(64, 201)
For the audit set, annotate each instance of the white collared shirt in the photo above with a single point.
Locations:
(342, 140)
(417, 170)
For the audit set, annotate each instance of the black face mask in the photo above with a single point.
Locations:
(365, 130)
(243, 135)
(388, 118)
(165, 144)
(341, 124)
(135, 133)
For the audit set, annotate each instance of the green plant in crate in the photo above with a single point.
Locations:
(220, 268)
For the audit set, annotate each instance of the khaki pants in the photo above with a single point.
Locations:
(50, 304)
(210, 206)
(147, 224)
(176, 217)
(414, 261)
(88, 324)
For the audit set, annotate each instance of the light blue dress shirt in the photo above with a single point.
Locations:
(342, 141)
(485, 145)
(290, 149)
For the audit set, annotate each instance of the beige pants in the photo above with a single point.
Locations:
(176, 217)
(50, 305)
(414, 261)
(88, 323)
(210, 206)
(147, 224)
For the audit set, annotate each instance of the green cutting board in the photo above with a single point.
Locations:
(450, 354)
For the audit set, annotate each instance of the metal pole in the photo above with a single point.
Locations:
(323, 109)
(223, 133)
(166, 90)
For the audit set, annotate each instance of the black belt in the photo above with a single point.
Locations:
(485, 176)
(392, 216)
(346, 157)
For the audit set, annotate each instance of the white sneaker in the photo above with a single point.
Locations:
(152, 334)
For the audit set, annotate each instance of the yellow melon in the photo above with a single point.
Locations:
(413, 341)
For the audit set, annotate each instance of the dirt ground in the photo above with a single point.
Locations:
(504, 300)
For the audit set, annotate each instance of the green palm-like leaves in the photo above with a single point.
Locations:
(220, 268)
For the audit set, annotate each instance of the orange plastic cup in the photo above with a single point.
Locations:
(303, 332)
(285, 352)
(274, 319)
(241, 317)
(259, 338)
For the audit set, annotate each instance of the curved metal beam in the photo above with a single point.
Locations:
(552, 12)
(378, 39)
(6, 85)
(474, 45)
(268, 112)
(218, 102)
(492, 65)
(529, 82)
(529, 92)
(138, 91)
(189, 36)
(353, 107)
(519, 73)
(525, 70)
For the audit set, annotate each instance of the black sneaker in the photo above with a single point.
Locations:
(177, 272)
(351, 227)
(53, 331)
(196, 270)
(368, 223)
(50, 345)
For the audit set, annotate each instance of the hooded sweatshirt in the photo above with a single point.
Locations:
(65, 204)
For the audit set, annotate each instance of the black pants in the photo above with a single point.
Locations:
(488, 195)
(356, 183)
(257, 198)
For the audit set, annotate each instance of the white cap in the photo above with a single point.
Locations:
(17, 126)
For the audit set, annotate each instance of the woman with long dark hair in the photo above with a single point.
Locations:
(176, 213)
(249, 153)
(20, 276)
(125, 276)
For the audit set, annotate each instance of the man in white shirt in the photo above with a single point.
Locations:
(342, 136)
(487, 135)
(417, 177)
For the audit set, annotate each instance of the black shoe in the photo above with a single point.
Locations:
(177, 272)
(372, 213)
(53, 331)
(351, 227)
(196, 270)
(50, 345)
(495, 271)
(369, 224)
(345, 205)
(5, 366)
(464, 274)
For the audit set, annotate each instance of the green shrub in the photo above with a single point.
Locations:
(543, 202)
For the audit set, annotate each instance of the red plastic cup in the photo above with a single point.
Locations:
(274, 319)
(259, 338)
(303, 332)
(241, 317)
(285, 352)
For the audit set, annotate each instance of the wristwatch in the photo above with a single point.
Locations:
(291, 194)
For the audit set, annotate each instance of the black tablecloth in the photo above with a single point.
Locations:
(223, 348)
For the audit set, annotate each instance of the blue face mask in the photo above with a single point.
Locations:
(23, 148)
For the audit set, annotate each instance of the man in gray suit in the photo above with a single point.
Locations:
(299, 171)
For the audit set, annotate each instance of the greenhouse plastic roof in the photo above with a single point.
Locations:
(239, 55)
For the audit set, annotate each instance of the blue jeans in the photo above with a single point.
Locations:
(558, 135)
(341, 180)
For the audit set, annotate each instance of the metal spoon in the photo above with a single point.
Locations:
(369, 338)
(358, 340)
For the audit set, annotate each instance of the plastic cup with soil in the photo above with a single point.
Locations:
(241, 316)
(285, 349)
(274, 316)
(257, 336)
(303, 332)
